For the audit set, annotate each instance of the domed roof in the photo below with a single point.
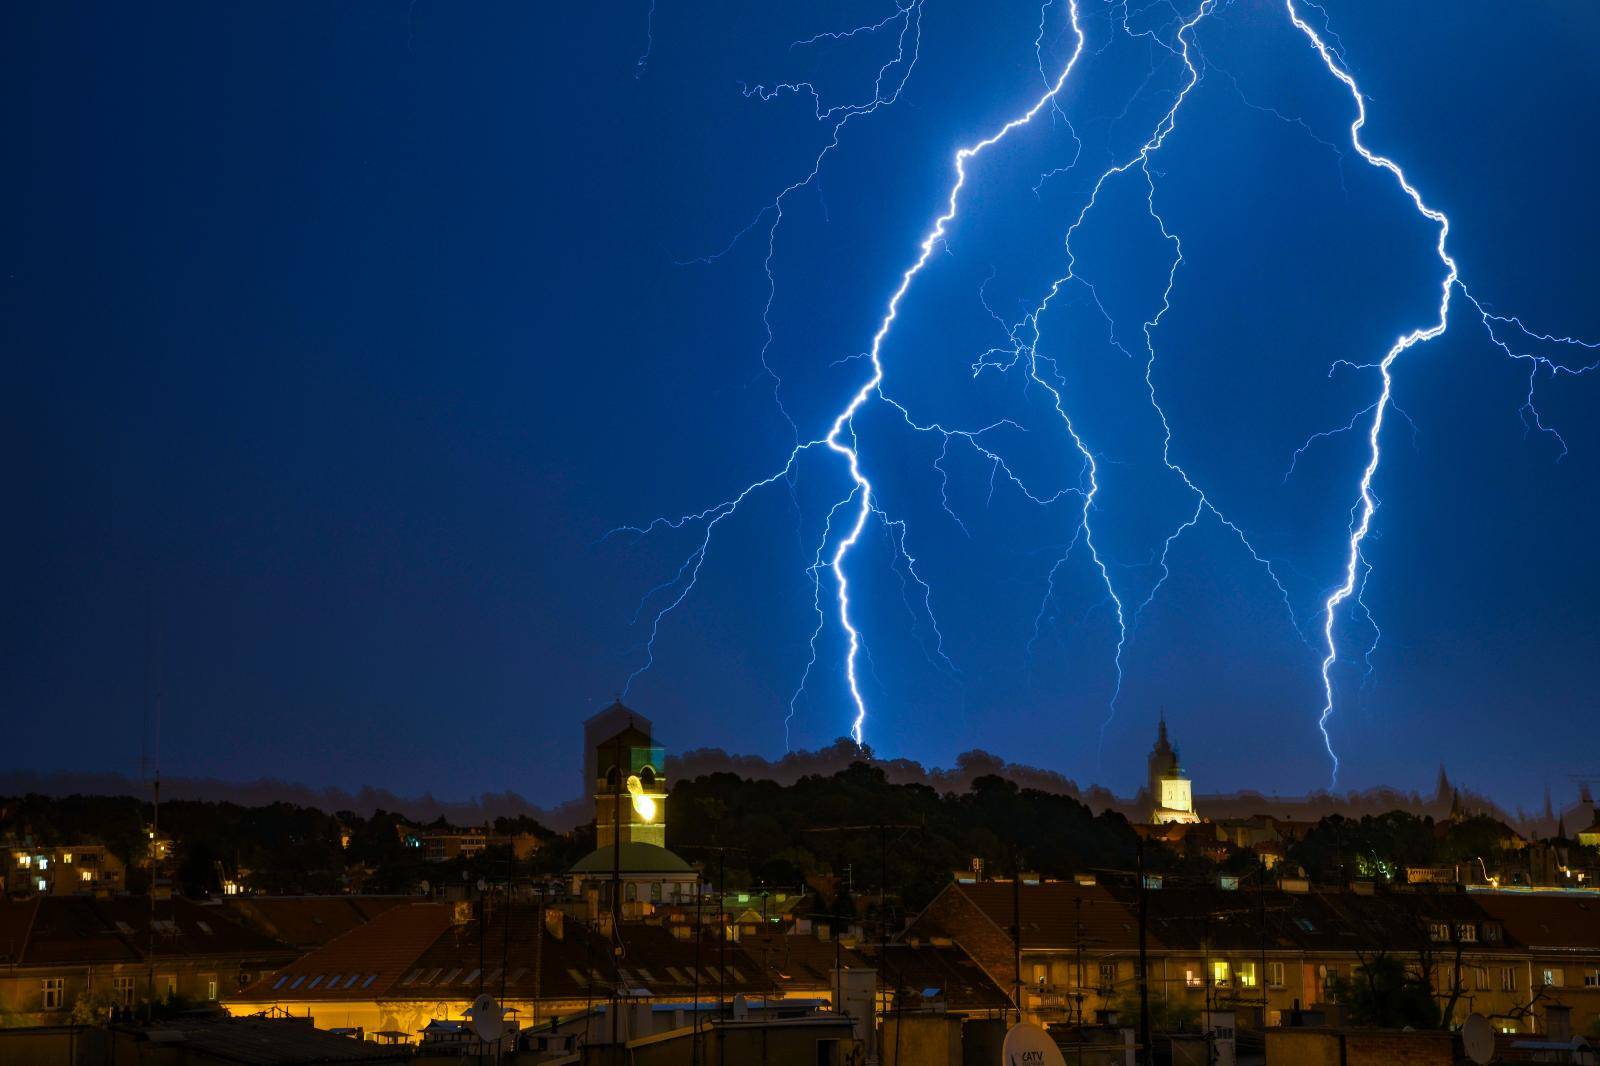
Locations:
(636, 858)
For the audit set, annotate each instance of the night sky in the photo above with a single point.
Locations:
(338, 336)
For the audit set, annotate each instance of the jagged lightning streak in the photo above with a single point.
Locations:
(1367, 504)
(840, 438)
(1361, 526)
(1140, 161)
(843, 425)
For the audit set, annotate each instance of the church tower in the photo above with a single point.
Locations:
(1170, 797)
(630, 787)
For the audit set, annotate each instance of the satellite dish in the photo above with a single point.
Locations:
(1477, 1039)
(488, 1020)
(1029, 1045)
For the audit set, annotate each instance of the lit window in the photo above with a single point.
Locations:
(25, 861)
(66, 857)
(210, 981)
(1247, 974)
(52, 993)
(44, 863)
(1219, 973)
(1191, 979)
(84, 875)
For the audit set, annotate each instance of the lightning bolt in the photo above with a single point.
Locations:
(857, 505)
(1185, 51)
(840, 438)
(1367, 503)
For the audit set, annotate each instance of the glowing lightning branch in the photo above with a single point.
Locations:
(840, 437)
(1367, 504)
(852, 510)
(1361, 524)
(1140, 161)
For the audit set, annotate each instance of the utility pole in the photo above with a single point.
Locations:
(883, 880)
(1016, 932)
(699, 897)
(616, 899)
(1261, 887)
(1077, 922)
(722, 955)
(1144, 962)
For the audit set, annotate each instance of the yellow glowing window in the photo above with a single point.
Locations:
(1247, 974)
(1219, 973)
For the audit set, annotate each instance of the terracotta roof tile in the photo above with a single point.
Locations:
(1545, 920)
(376, 954)
(1050, 913)
(310, 921)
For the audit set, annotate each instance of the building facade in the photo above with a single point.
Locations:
(1272, 953)
(74, 870)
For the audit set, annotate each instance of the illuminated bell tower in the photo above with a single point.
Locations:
(1170, 797)
(630, 789)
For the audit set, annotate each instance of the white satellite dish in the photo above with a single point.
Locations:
(1029, 1045)
(1477, 1039)
(488, 1020)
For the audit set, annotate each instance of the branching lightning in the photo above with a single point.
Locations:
(827, 559)
(1361, 524)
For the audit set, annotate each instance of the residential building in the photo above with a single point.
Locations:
(418, 962)
(57, 952)
(306, 922)
(1590, 837)
(1268, 953)
(68, 870)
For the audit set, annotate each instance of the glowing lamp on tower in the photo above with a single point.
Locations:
(643, 805)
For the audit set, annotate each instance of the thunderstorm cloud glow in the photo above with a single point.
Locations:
(857, 509)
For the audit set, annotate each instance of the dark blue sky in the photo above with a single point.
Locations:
(337, 338)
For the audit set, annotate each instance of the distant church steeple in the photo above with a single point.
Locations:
(1170, 796)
